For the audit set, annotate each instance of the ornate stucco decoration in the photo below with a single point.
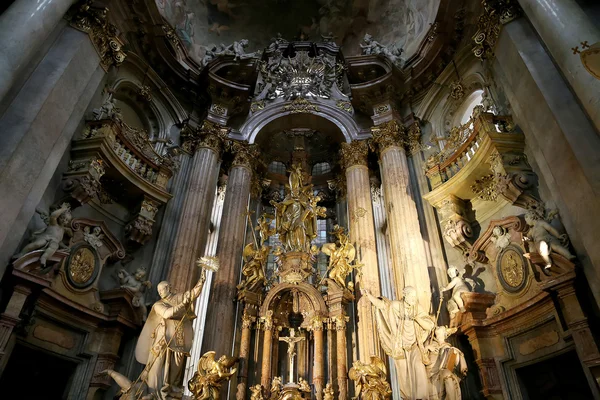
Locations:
(391, 133)
(299, 76)
(495, 14)
(485, 188)
(354, 153)
(209, 135)
(372, 47)
(104, 35)
(171, 36)
(301, 105)
(244, 154)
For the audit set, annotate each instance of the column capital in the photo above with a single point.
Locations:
(209, 135)
(244, 154)
(354, 153)
(392, 133)
(103, 34)
(247, 320)
(495, 14)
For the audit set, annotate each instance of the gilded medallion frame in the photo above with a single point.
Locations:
(512, 269)
(79, 272)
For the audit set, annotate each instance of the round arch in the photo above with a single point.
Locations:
(316, 300)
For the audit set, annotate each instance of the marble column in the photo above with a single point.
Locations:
(319, 363)
(192, 232)
(409, 260)
(563, 25)
(342, 362)
(24, 26)
(221, 314)
(265, 376)
(362, 235)
(242, 385)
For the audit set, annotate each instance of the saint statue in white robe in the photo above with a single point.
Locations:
(166, 340)
(403, 330)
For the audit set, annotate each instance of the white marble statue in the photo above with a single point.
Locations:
(447, 368)
(500, 237)
(166, 340)
(403, 329)
(373, 47)
(546, 239)
(108, 109)
(50, 238)
(458, 286)
(93, 236)
(129, 390)
(137, 284)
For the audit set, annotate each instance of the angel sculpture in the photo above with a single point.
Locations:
(303, 385)
(264, 228)
(93, 237)
(276, 386)
(206, 382)
(458, 286)
(371, 379)
(256, 393)
(341, 255)
(254, 268)
(546, 239)
(448, 366)
(137, 284)
(328, 393)
(50, 238)
(373, 47)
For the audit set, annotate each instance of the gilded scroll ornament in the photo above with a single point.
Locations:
(301, 105)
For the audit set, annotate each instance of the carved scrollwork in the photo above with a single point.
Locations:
(209, 135)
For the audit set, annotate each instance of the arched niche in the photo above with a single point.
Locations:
(311, 301)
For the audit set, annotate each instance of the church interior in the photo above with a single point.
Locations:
(299, 199)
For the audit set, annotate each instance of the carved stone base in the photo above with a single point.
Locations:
(296, 267)
(476, 305)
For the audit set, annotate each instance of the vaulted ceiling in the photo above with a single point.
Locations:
(204, 23)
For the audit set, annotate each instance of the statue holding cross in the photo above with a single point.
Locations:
(291, 341)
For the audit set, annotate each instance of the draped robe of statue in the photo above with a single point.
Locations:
(403, 330)
(165, 343)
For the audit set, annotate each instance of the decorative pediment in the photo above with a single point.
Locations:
(96, 234)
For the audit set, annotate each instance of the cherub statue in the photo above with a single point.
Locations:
(137, 284)
(256, 393)
(264, 228)
(108, 109)
(371, 380)
(206, 382)
(50, 238)
(93, 237)
(458, 286)
(341, 255)
(546, 239)
(238, 50)
(303, 385)
(275, 42)
(500, 237)
(373, 47)
(328, 393)
(254, 268)
(448, 366)
(276, 385)
(129, 390)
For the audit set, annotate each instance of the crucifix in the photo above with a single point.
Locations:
(291, 341)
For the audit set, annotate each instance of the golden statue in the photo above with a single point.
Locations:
(254, 267)
(328, 393)
(296, 214)
(276, 385)
(341, 255)
(264, 228)
(206, 382)
(371, 380)
(256, 393)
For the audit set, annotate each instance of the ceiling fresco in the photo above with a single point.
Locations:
(206, 23)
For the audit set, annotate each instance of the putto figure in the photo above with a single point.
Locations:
(371, 380)
(136, 284)
(458, 286)
(373, 47)
(546, 239)
(50, 238)
(206, 382)
(166, 339)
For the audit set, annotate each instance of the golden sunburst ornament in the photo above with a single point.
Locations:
(208, 263)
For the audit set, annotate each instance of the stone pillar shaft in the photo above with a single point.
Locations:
(221, 314)
(24, 26)
(318, 369)
(265, 376)
(562, 25)
(342, 362)
(408, 252)
(362, 235)
(244, 354)
(195, 218)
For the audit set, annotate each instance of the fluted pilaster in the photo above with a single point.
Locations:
(409, 261)
(362, 235)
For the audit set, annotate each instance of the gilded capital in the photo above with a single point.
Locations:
(209, 135)
(391, 133)
(316, 323)
(354, 153)
(103, 34)
(247, 321)
(244, 154)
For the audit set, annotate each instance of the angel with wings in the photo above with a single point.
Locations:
(341, 255)
(254, 267)
(206, 382)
